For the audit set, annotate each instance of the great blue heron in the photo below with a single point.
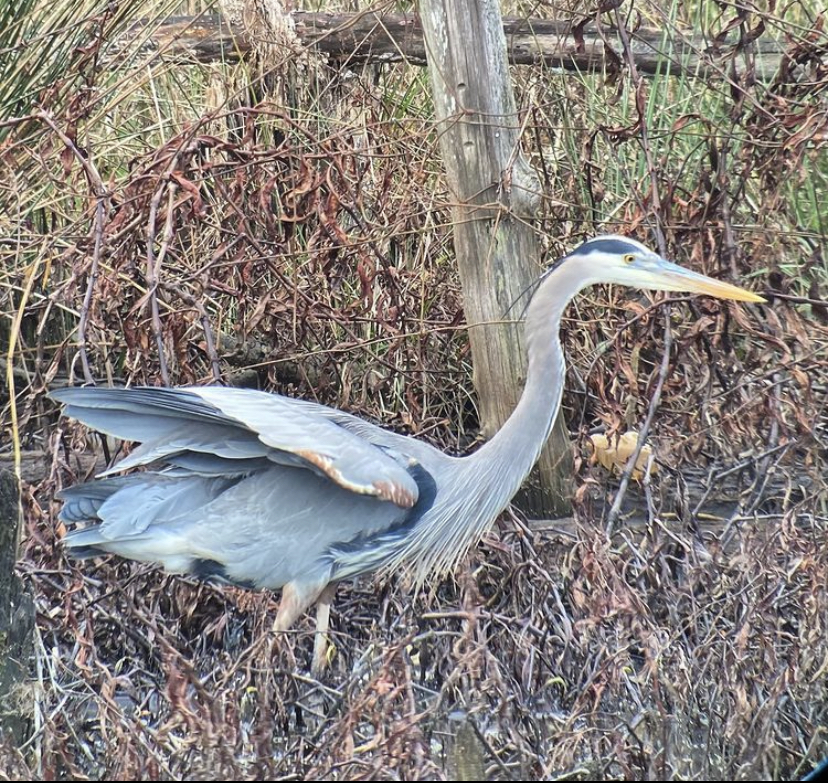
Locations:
(264, 491)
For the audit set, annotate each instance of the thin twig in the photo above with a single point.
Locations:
(640, 105)
(763, 473)
(209, 340)
(152, 282)
(102, 208)
(645, 429)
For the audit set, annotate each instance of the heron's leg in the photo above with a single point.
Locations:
(320, 640)
(296, 597)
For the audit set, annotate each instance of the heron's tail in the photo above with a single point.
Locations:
(143, 516)
(82, 503)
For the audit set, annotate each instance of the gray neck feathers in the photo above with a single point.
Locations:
(512, 452)
(474, 490)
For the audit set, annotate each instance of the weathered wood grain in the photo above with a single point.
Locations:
(495, 194)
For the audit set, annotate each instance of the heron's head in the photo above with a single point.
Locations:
(616, 259)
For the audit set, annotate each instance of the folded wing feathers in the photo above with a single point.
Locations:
(236, 424)
(131, 506)
(230, 443)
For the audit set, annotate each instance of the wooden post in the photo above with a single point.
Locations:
(495, 193)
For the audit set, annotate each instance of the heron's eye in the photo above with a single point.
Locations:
(629, 258)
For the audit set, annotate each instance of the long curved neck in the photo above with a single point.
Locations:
(510, 454)
(493, 474)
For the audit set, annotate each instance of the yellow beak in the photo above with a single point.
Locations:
(677, 278)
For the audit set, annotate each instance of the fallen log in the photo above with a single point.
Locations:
(374, 37)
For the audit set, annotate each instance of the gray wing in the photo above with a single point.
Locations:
(421, 451)
(246, 487)
(233, 425)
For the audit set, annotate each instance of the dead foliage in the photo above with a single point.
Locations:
(299, 241)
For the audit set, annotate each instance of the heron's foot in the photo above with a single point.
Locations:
(324, 651)
(280, 651)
